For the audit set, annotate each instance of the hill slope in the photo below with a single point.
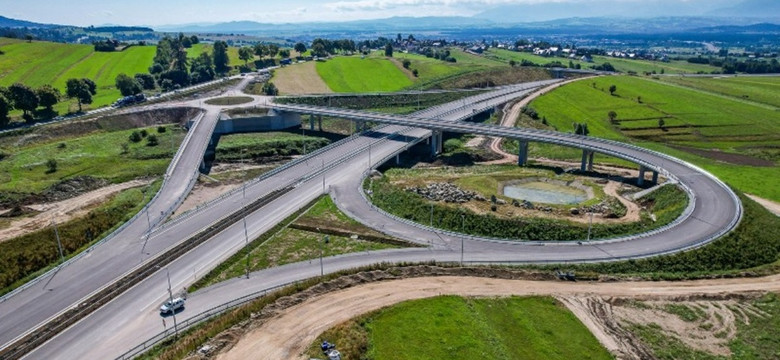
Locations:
(39, 63)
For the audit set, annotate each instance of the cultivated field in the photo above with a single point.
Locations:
(736, 140)
(40, 63)
(620, 64)
(300, 79)
(763, 90)
(355, 74)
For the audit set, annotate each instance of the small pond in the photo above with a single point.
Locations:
(544, 192)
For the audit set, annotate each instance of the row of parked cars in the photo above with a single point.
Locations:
(130, 100)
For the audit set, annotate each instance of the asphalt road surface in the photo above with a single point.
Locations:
(133, 316)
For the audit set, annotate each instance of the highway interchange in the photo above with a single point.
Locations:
(132, 317)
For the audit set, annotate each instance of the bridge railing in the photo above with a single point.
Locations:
(114, 233)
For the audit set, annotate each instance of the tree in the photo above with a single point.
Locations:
(318, 50)
(415, 73)
(135, 136)
(581, 129)
(300, 48)
(512, 63)
(127, 85)
(151, 140)
(246, 53)
(161, 129)
(612, 116)
(23, 98)
(51, 166)
(5, 108)
(661, 123)
(220, 57)
(194, 40)
(48, 97)
(273, 49)
(612, 89)
(284, 53)
(270, 89)
(389, 50)
(29, 38)
(146, 81)
(260, 50)
(81, 90)
(202, 69)
(407, 63)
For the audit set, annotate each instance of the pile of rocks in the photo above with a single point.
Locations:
(603, 208)
(445, 192)
(525, 204)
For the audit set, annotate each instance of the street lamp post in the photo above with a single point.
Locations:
(462, 238)
(59, 243)
(590, 224)
(170, 300)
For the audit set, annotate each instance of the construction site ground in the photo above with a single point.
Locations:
(606, 308)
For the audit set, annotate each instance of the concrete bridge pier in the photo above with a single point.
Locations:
(319, 122)
(587, 160)
(398, 159)
(655, 177)
(522, 153)
(641, 179)
(436, 142)
(311, 122)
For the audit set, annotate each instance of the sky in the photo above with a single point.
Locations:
(168, 12)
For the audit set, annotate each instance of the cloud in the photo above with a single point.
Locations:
(382, 5)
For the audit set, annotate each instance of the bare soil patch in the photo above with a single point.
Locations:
(62, 211)
(300, 79)
(772, 206)
(736, 159)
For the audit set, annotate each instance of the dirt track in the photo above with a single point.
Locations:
(65, 210)
(287, 335)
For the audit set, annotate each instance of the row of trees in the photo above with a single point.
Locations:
(172, 69)
(28, 100)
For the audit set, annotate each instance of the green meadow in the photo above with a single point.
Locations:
(453, 327)
(40, 63)
(356, 74)
(620, 64)
(700, 127)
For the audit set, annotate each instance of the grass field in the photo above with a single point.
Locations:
(39, 63)
(283, 245)
(253, 145)
(715, 125)
(622, 65)
(451, 327)
(101, 155)
(763, 90)
(355, 74)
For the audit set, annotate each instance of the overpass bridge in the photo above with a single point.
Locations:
(132, 317)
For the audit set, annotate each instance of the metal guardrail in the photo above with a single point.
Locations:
(110, 236)
(196, 319)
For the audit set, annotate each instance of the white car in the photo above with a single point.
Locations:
(172, 305)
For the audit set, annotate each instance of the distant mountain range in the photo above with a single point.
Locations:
(13, 23)
(566, 16)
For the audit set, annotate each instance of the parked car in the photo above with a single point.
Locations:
(172, 305)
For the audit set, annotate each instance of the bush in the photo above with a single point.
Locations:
(135, 137)
(51, 166)
(151, 140)
(407, 63)
(161, 129)
(452, 145)
(144, 133)
(415, 73)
